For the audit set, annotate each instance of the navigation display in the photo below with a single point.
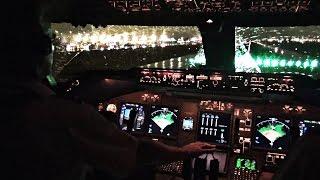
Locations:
(132, 116)
(80, 49)
(307, 126)
(163, 121)
(214, 127)
(278, 49)
(271, 133)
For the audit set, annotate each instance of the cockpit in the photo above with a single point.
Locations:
(242, 75)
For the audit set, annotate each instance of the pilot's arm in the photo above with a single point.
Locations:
(103, 145)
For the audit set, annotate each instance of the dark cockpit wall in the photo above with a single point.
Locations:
(196, 104)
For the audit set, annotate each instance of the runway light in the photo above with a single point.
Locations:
(266, 63)
(275, 63)
(283, 63)
(290, 63)
(306, 64)
(259, 61)
(314, 64)
(298, 63)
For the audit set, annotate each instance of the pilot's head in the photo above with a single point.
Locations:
(26, 46)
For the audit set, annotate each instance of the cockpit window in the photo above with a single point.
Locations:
(80, 49)
(278, 50)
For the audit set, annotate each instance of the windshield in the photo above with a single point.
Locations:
(80, 49)
(278, 50)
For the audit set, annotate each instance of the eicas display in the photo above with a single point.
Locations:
(271, 133)
(132, 116)
(307, 126)
(214, 127)
(163, 121)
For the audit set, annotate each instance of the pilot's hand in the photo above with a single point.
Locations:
(198, 148)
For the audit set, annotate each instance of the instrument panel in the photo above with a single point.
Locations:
(253, 135)
(221, 83)
(253, 131)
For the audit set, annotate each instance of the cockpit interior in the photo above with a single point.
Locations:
(239, 74)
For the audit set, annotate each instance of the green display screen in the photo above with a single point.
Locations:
(272, 133)
(163, 121)
(244, 163)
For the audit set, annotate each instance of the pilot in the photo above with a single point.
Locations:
(44, 137)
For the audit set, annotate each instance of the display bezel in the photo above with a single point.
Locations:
(149, 120)
(280, 118)
(143, 129)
